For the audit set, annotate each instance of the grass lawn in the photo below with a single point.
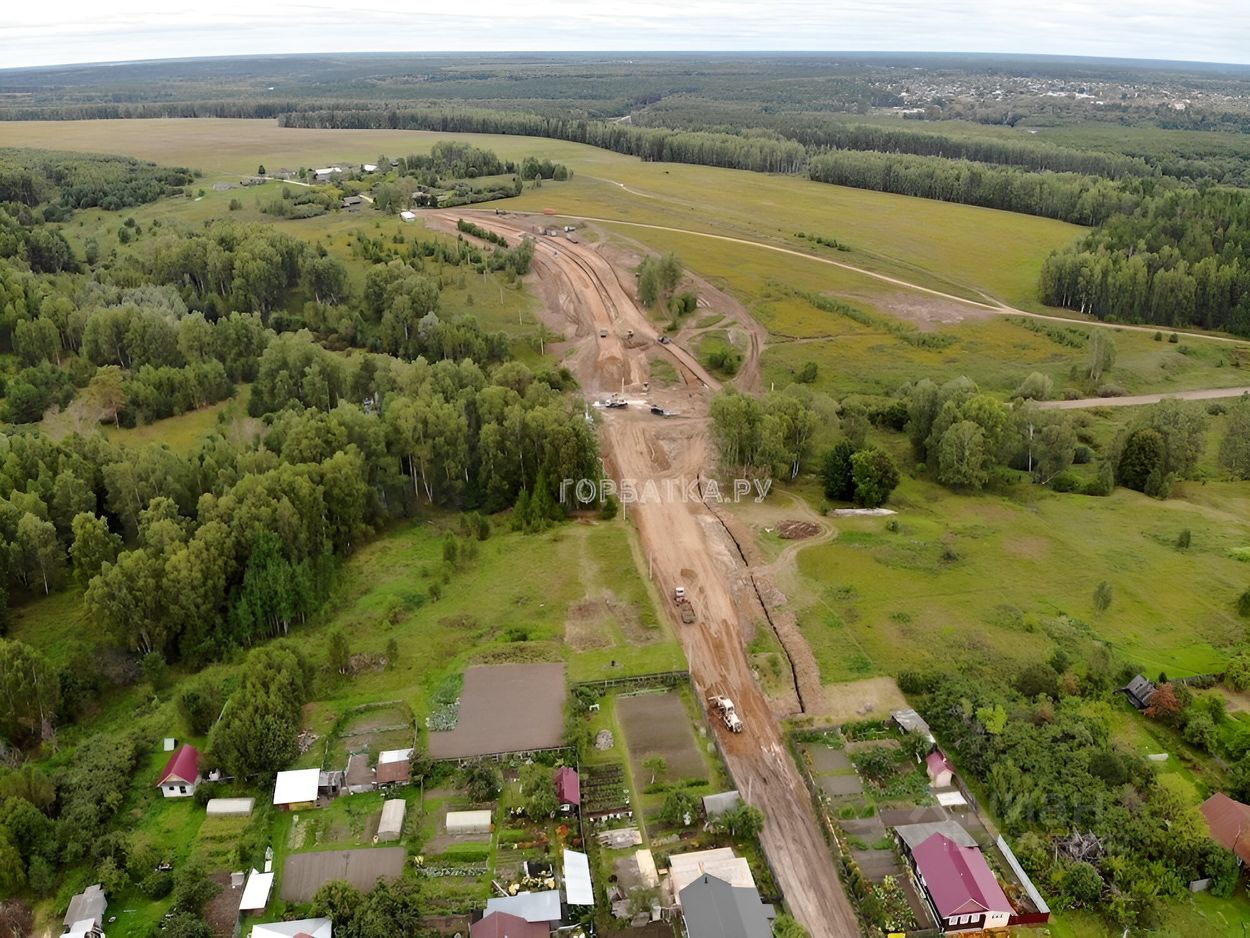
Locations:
(1010, 575)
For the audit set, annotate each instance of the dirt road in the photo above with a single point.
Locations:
(1207, 394)
(686, 545)
(1000, 309)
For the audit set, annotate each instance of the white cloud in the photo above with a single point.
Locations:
(81, 31)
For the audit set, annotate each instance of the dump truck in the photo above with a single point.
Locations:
(724, 707)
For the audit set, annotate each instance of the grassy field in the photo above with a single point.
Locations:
(1009, 575)
(979, 249)
(980, 252)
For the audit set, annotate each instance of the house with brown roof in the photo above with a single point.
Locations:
(1229, 823)
(394, 767)
(181, 773)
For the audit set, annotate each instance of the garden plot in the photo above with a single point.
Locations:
(368, 731)
(305, 873)
(658, 725)
(605, 790)
(506, 708)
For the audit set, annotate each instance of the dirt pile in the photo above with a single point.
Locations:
(797, 530)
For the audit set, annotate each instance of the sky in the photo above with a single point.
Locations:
(71, 31)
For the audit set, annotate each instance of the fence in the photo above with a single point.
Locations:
(640, 681)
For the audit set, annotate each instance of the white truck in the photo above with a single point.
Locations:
(725, 707)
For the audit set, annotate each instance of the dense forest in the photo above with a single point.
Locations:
(1179, 259)
(188, 556)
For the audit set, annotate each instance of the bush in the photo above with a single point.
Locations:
(1065, 482)
(1082, 455)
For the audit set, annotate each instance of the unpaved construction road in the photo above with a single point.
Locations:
(685, 543)
(1135, 400)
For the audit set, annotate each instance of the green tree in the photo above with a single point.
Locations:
(1101, 353)
(837, 473)
(41, 557)
(192, 887)
(785, 926)
(744, 821)
(339, 655)
(875, 477)
(680, 808)
(482, 781)
(963, 460)
(1141, 459)
(1235, 446)
(338, 901)
(30, 692)
(657, 765)
(538, 787)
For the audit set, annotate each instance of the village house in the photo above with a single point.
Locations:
(296, 788)
(959, 886)
(712, 908)
(181, 774)
(941, 772)
(506, 925)
(533, 907)
(85, 917)
(394, 767)
(568, 789)
(1229, 823)
(300, 928)
(1139, 692)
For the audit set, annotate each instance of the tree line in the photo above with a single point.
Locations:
(762, 153)
(1178, 259)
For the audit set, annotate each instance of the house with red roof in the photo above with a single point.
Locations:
(568, 789)
(181, 774)
(941, 772)
(505, 925)
(1229, 823)
(959, 886)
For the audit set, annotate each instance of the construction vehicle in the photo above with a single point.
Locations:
(725, 708)
(679, 594)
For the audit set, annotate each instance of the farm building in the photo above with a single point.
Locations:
(941, 772)
(1139, 692)
(368, 168)
(407, 216)
(256, 892)
(712, 908)
(323, 175)
(722, 863)
(909, 721)
(959, 886)
(577, 886)
(468, 822)
(330, 783)
(504, 925)
(85, 916)
(296, 788)
(300, 928)
(568, 789)
(181, 773)
(533, 907)
(225, 807)
(352, 202)
(718, 804)
(394, 767)
(391, 824)
(1229, 823)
